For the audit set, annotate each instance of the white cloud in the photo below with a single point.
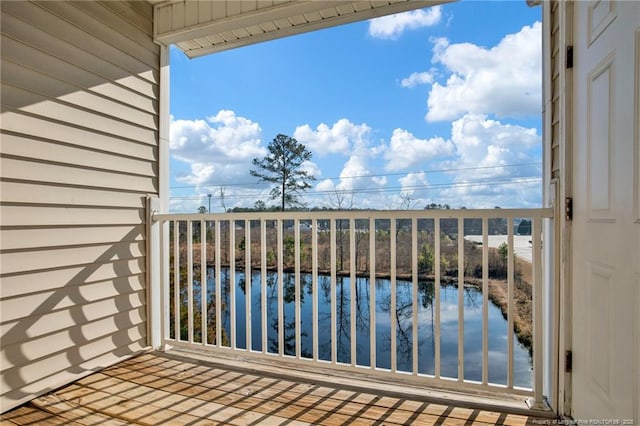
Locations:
(311, 168)
(355, 177)
(190, 205)
(218, 149)
(504, 80)
(392, 26)
(353, 172)
(339, 138)
(412, 182)
(417, 78)
(482, 142)
(519, 194)
(406, 150)
(325, 185)
(487, 149)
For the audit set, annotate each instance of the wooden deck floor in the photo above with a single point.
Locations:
(157, 388)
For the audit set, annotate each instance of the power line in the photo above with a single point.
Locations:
(528, 179)
(433, 171)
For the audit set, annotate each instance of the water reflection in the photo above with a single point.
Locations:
(498, 333)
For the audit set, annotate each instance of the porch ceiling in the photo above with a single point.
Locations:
(202, 27)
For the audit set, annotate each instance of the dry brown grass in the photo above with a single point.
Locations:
(522, 323)
(498, 291)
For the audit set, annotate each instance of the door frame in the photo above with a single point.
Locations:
(564, 191)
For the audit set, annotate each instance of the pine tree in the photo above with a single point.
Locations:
(282, 166)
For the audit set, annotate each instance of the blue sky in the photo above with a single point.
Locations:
(440, 105)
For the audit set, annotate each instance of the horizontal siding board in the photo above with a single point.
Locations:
(30, 57)
(53, 373)
(43, 128)
(48, 301)
(50, 151)
(65, 338)
(34, 103)
(50, 194)
(14, 262)
(19, 239)
(22, 169)
(42, 325)
(117, 343)
(38, 39)
(555, 17)
(555, 66)
(97, 27)
(57, 28)
(127, 97)
(50, 87)
(555, 158)
(79, 95)
(31, 216)
(101, 12)
(52, 280)
(137, 13)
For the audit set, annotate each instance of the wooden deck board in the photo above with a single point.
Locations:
(157, 388)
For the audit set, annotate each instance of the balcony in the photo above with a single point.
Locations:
(447, 313)
(435, 305)
(161, 388)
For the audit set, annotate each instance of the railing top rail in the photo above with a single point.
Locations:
(363, 214)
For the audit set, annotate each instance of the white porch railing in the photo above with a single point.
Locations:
(405, 263)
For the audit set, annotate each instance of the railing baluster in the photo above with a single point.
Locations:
(510, 302)
(247, 281)
(263, 282)
(392, 310)
(414, 295)
(190, 281)
(280, 290)
(232, 281)
(536, 233)
(372, 291)
(334, 288)
(436, 328)
(203, 282)
(165, 249)
(352, 289)
(218, 272)
(460, 299)
(298, 319)
(485, 300)
(176, 279)
(314, 285)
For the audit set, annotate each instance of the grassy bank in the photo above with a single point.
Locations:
(498, 291)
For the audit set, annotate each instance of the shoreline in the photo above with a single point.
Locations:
(498, 293)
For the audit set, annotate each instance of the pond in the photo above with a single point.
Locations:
(498, 333)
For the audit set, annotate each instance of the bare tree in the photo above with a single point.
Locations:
(341, 200)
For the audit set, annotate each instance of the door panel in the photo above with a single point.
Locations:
(606, 234)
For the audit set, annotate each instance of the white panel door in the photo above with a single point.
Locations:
(606, 235)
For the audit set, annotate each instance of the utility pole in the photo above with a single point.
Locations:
(209, 196)
(224, 207)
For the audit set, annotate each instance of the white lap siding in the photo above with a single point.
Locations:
(79, 155)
